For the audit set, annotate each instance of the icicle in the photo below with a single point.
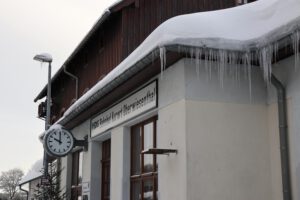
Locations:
(265, 61)
(152, 57)
(275, 50)
(198, 59)
(162, 54)
(179, 48)
(247, 62)
(222, 62)
(296, 40)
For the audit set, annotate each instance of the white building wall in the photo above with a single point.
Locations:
(66, 170)
(227, 139)
(120, 164)
(228, 151)
(172, 169)
(228, 145)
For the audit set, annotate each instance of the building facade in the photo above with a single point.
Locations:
(177, 125)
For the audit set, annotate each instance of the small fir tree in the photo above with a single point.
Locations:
(49, 188)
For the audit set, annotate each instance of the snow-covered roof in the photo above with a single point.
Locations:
(243, 28)
(34, 173)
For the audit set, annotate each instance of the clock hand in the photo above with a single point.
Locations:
(57, 140)
(60, 136)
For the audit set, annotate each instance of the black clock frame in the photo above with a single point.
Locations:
(76, 143)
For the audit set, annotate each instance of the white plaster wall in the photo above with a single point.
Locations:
(227, 151)
(120, 164)
(95, 169)
(66, 167)
(221, 132)
(172, 169)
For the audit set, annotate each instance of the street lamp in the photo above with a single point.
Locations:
(48, 59)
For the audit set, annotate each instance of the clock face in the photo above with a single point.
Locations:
(58, 142)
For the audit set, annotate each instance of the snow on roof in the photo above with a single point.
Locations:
(33, 173)
(241, 28)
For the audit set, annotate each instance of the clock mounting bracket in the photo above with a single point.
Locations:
(82, 143)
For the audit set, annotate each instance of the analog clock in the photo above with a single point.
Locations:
(58, 142)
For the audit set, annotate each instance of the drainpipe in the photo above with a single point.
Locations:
(74, 77)
(284, 149)
(27, 193)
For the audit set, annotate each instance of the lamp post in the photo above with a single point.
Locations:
(48, 59)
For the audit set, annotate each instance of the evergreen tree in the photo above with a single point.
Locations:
(49, 188)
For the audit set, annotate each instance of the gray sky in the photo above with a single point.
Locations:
(28, 28)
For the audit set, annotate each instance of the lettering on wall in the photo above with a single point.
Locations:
(136, 104)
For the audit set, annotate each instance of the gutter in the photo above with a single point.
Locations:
(74, 77)
(102, 19)
(283, 137)
(27, 192)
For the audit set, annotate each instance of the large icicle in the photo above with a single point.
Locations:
(265, 61)
(163, 61)
(295, 41)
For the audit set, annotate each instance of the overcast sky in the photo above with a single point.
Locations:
(28, 28)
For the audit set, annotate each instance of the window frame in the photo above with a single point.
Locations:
(144, 176)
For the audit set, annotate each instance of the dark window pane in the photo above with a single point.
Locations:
(148, 188)
(136, 190)
(136, 151)
(106, 146)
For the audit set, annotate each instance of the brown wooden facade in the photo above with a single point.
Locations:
(129, 23)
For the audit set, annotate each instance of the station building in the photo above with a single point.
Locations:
(188, 120)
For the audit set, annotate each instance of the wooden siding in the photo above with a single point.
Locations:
(116, 39)
(141, 18)
(96, 59)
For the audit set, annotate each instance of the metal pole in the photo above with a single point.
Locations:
(47, 121)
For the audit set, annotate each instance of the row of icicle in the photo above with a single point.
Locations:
(238, 59)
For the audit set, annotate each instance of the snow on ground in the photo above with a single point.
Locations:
(257, 25)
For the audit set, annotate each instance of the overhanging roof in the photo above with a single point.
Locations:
(116, 7)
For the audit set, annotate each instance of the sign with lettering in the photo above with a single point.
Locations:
(136, 104)
(85, 188)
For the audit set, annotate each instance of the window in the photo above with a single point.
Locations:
(143, 167)
(76, 175)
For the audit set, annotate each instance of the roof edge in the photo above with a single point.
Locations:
(95, 27)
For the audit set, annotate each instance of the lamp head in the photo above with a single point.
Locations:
(44, 57)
